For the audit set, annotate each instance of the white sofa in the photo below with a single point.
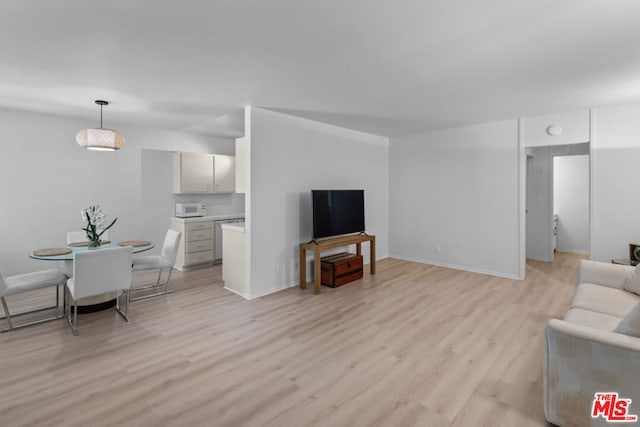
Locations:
(582, 353)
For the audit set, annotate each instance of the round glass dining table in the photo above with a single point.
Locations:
(75, 249)
(91, 304)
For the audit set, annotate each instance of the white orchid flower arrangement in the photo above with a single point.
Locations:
(94, 220)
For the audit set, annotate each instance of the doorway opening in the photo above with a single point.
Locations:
(557, 200)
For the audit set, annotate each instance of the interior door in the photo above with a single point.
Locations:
(529, 203)
(539, 205)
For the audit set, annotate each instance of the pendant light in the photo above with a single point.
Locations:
(100, 139)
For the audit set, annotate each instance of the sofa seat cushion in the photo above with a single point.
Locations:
(603, 299)
(593, 319)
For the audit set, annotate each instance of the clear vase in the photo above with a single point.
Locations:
(94, 243)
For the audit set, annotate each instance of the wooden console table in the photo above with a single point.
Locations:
(331, 243)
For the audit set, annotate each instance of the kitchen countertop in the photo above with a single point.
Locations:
(209, 217)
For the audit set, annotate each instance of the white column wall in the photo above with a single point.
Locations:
(615, 162)
(291, 156)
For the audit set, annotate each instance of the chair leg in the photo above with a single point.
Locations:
(64, 300)
(166, 285)
(73, 324)
(66, 307)
(6, 313)
(60, 310)
(159, 288)
(75, 318)
(126, 310)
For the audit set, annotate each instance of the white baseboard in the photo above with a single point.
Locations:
(574, 251)
(237, 293)
(271, 291)
(540, 259)
(458, 267)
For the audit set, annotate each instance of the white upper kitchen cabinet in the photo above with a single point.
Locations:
(201, 173)
(225, 173)
(557, 129)
(192, 173)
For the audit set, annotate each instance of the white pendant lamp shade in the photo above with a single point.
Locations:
(100, 139)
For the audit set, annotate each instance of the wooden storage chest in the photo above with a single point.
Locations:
(339, 269)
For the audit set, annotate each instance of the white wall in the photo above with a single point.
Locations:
(571, 202)
(290, 156)
(456, 189)
(46, 179)
(615, 166)
(454, 198)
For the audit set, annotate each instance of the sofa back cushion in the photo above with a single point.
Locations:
(603, 299)
(632, 282)
(630, 324)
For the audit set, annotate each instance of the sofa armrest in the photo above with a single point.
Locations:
(599, 336)
(580, 361)
(603, 273)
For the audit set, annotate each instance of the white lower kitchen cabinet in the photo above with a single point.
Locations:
(196, 245)
(233, 254)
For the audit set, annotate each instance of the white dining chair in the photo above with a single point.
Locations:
(97, 272)
(28, 282)
(72, 237)
(76, 237)
(166, 259)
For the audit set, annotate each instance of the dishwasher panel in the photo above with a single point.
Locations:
(217, 232)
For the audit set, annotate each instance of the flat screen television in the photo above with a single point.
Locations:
(337, 212)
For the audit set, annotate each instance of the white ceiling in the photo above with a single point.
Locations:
(385, 67)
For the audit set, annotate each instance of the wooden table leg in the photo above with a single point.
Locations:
(303, 268)
(316, 271)
(372, 254)
(358, 248)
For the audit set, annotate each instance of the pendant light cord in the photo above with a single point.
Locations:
(101, 103)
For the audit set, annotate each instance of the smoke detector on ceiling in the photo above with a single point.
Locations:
(554, 130)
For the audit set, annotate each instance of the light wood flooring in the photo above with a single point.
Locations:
(414, 345)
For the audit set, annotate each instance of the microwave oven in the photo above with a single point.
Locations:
(190, 209)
